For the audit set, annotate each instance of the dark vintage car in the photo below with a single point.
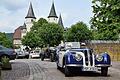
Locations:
(48, 53)
(7, 52)
(82, 59)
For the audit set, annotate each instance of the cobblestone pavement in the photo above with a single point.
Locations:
(35, 69)
(20, 71)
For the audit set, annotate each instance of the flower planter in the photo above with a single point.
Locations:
(6, 65)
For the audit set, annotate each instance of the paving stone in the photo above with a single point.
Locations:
(35, 69)
(20, 70)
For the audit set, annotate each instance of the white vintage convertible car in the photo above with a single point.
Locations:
(71, 57)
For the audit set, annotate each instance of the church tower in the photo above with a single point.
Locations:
(30, 18)
(52, 15)
(60, 22)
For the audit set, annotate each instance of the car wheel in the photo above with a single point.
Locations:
(67, 71)
(42, 57)
(58, 67)
(27, 56)
(30, 57)
(52, 57)
(104, 71)
(17, 57)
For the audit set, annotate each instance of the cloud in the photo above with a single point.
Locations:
(13, 4)
(9, 21)
(13, 12)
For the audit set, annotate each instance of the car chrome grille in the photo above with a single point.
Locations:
(88, 58)
(91, 60)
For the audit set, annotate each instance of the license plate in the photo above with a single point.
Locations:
(89, 69)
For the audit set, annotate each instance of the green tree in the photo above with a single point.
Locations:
(51, 34)
(5, 41)
(30, 40)
(43, 33)
(78, 32)
(38, 24)
(106, 20)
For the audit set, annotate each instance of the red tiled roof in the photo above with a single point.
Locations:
(17, 33)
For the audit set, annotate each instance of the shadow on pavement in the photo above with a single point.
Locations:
(85, 73)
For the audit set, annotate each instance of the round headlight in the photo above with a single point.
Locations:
(78, 57)
(99, 58)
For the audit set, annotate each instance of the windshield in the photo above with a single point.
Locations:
(81, 50)
(72, 45)
(36, 51)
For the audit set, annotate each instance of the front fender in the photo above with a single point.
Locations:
(105, 62)
(70, 59)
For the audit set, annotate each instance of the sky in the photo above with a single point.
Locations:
(13, 12)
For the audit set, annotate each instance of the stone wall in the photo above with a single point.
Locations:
(112, 47)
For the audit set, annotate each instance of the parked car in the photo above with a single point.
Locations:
(48, 53)
(34, 54)
(20, 54)
(82, 59)
(26, 54)
(7, 53)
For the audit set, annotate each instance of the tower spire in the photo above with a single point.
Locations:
(52, 11)
(60, 22)
(24, 26)
(30, 13)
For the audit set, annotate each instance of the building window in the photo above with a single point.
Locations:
(24, 31)
(31, 20)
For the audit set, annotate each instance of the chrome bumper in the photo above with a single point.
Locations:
(74, 65)
(78, 65)
(103, 65)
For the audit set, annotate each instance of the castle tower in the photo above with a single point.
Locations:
(60, 22)
(30, 18)
(52, 15)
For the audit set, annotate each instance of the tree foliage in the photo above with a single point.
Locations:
(32, 40)
(42, 34)
(106, 19)
(4, 40)
(51, 34)
(78, 32)
(38, 24)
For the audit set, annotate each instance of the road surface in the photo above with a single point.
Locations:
(35, 69)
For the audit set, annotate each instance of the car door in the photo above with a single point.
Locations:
(61, 55)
